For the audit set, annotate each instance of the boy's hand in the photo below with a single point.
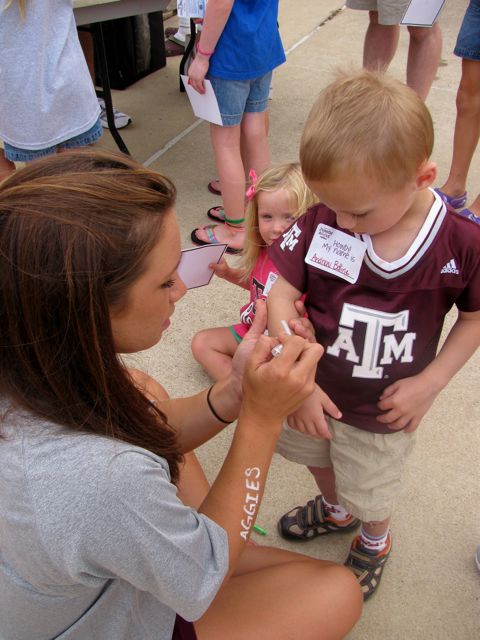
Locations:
(309, 418)
(406, 402)
(302, 326)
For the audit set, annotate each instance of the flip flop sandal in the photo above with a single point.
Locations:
(209, 230)
(466, 213)
(211, 187)
(456, 202)
(217, 214)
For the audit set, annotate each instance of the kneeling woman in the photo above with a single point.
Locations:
(95, 542)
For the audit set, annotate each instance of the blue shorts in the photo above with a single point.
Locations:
(236, 97)
(468, 40)
(15, 154)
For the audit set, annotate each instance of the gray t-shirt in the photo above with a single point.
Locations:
(94, 542)
(46, 92)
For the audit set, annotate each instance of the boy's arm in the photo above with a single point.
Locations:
(281, 305)
(309, 418)
(407, 401)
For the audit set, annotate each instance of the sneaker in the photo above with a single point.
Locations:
(456, 202)
(312, 520)
(367, 567)
(121, 119)
(477, 558)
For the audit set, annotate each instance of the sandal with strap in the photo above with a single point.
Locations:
(217, 214)
(466, 213)
(312, 520)
(456, 202)
(213, 189)
(212, 238)
(368, 568)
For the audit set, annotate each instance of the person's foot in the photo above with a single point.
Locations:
(456, 201)
(172, 48)
(220, 234)
(122, 120)
(312, 520)
(477, 558)
(368, 567)
(214, 187)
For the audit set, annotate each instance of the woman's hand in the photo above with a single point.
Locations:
(248, 343)
(275, 387)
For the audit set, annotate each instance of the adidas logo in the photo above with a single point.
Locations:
(450, 267)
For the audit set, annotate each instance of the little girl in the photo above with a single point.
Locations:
(47, 101)
(275, 200)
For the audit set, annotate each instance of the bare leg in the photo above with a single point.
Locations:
(325, 479)
(377, 528)
(226, 147)
(6, 166)
(254, 134)
(258, 603)
(467, 128)
(423, 58)
(380, 44)
(214, 350)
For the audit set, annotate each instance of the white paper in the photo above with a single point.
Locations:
(193, 268)
(204, 105)
(336, 252)
(191, 8)
(422, 13)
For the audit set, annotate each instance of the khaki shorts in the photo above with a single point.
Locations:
(368, 466)
(389, 11)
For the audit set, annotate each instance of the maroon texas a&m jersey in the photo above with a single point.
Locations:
(386, 326)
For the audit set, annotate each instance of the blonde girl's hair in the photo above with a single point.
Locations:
(286, 176)
(22, 6)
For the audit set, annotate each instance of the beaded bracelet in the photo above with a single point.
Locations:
(207, 54)
(209, 402)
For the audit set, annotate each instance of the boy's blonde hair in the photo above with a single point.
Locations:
(286, 176)
(366, 122)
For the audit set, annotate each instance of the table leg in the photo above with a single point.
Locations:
(97, 32)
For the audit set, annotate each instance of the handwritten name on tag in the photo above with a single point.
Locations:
(336, 252)
(271, 279)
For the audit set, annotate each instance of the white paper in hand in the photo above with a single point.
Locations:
(193, 268)
(204, 105)
(422, 13)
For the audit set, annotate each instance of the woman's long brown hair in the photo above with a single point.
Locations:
(75, 230)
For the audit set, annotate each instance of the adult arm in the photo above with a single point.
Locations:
(407, 401)
(217, 13)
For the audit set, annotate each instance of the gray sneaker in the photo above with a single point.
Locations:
(121, 119)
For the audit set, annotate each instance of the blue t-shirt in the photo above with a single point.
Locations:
(250, 44)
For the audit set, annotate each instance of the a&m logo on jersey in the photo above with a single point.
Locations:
(380, 347)
(290, 239)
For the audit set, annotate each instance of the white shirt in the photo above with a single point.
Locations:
(46, 93)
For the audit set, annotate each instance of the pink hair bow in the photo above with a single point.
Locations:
(253, 187)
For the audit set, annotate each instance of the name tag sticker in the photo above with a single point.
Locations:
(336, 252)
(269, 283)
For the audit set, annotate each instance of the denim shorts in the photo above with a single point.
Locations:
(15, 154)
(389, 11)
(236, 97)
(468, 40)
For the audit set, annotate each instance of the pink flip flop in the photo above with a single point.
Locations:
(212, 238)
(214, 189)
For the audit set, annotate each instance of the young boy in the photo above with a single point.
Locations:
(381, 263)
